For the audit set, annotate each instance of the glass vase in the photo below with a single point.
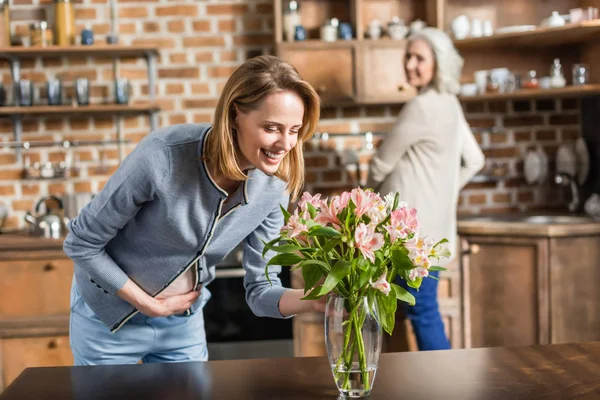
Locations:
(353, 337)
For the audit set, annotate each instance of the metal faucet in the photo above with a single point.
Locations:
(565, 179)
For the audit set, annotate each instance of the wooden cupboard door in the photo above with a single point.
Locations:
(574, 279)
(21, 353)
(383, 79)
(330, 71)
(309, 335)
(30, 288)
(505, 295)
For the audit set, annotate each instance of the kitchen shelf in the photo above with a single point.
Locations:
(100, 50)
(91, 109)
(314, 44)
(568, 91)
(571, 33)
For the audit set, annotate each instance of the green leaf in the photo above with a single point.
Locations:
(269, 245)
(311, 210)
(331, 244)
(403, 294)
(436, 268)
(396, 201)
(362, 280)
(313, 295)
(401, 261)
(286, 214)
(311, 275)
(323, 265)
(387, 305)
(339, 270)
(324, 231)
(286, 248)
(363, 264)
(285, 259)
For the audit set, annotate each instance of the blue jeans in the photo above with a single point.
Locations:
(425, 315)
(160, 339)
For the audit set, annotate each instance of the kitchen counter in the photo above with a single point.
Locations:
(528, 225)
(499, 373)
(23, 245)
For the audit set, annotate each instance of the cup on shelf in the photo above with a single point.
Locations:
(481, 78)
(25, 92)
(576, 15)
(580, 74)
(590, 13)
(54, 92)
(476, 28)
(122, 89)
(82, 91)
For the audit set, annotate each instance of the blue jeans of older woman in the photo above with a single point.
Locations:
(425, 315)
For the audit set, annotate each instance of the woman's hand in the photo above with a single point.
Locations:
(172, 305)
(156, 307)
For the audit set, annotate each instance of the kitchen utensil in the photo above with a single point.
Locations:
(535, 166)
(481, 80)
(346, 32)
(122, 89)
(82, 91)
(583, 160)
(374, 29)
(566, 160)
(476, 28)
(461, 26)
(556, 20)
(329, 30)
(87, 37)
(468, 89)
(25, 92)
(576, 15)
(580, 74)
(488, 29)
(54, 92)
(49, 224)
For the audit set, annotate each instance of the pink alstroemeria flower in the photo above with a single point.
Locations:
(327, 215)
(378, 211)
(403, 222)
(368, 241)
(382, 284)
(308, 198)
(363, 200)
(295, 227)
(341, 201)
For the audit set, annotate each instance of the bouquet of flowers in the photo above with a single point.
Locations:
(354, 245)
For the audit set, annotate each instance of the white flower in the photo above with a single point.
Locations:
(382, 284)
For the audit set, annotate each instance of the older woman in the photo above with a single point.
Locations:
(428, 157)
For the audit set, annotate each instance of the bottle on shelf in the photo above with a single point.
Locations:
(557, 78)
(291, 19)
(64, 14)
(4, 24)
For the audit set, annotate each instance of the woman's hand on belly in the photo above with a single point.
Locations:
(156, 307)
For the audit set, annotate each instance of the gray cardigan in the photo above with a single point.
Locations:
(160, 214)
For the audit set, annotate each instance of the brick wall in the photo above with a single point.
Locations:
(201, 42)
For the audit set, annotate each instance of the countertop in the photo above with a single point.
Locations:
(517, 225)
(560, 371)
(22, 245)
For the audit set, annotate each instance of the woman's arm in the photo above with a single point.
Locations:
(472, 157)
(137, 180)
(410, 128)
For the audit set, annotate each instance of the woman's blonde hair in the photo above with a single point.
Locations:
(448, 62)
(249, 85)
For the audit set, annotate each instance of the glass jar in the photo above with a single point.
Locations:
(64, 14)
(40, 34)
(531, 81)
(580, 74)
(4, 24)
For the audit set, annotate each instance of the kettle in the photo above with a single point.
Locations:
(48, 225)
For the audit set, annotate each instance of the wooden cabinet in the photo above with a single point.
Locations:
(530, 290)
(21, 353)
(35, 284)
(331, 71)
(31, 288)
(381, 73)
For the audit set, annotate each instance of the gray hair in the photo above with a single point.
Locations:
(448, 62)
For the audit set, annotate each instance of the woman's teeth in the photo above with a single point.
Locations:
(273, 155)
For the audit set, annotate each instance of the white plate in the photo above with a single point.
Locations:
(544, 164)
(532, 167)
(565, 160)
(583, 160)
(515, 28)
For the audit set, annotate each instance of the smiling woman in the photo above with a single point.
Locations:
(146, 247)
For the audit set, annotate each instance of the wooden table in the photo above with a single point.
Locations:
(565, 371)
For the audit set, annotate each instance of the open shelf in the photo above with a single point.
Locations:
(316, 44)
(91, 109)
(569, 91)
(99, 50)
(571, 33)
